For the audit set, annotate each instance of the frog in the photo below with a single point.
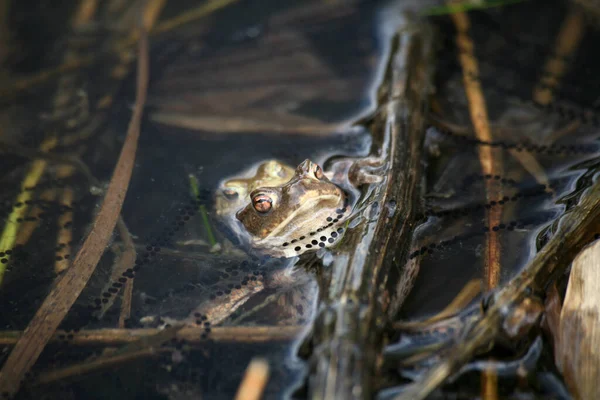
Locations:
(285, 212)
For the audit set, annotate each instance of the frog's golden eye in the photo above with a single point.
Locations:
(318, 172)
(262, 203)
(230, 194)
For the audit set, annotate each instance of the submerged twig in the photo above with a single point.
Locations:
(125, 260)
(64, 224)
(254, 381)
(242, 124)
(191, 334)
(62, 296)
(490, 160)
(567, 42)
(464, 297)
(98, 364)
(144, 347)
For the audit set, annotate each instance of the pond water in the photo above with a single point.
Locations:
(244, 83)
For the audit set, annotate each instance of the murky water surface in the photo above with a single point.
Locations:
(257, 81)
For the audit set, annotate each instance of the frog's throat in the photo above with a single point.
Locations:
(307, 205)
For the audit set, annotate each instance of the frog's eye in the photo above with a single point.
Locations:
(230, 194)
(262, 203)
(318, 172)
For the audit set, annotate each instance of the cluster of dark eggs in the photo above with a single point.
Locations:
(524, 147)
(323, 240)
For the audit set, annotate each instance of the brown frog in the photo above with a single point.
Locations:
(286, 217)
(282, 212)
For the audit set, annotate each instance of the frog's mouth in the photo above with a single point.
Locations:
(304, 210)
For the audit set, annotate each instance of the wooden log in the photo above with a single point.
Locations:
(577, 352)
(346, 337)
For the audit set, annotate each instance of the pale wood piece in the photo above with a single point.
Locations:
(578, 350)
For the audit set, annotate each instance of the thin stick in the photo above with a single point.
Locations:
(126, 303)
(126, 259)
(101, 363)
(192, 334)
(491, 164)
(65, 234)
(237, 124)
(62, 296)
(489, 158)
(145, 346)
(567, 43)
(255, 380)
(462, 299)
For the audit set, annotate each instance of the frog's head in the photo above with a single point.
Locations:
(232, 194)
(302, 214)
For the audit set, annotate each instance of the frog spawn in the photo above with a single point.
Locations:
(323, 237)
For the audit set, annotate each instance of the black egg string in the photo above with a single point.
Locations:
(323, 239)
(151, 251)
(153, 248)
(253, 272)
(12, 258)
(510, 226)
(564, 108)
(48, 208)
(570, 112)
(17, 256)
(256, 275)
(475, 178)
(537, 190)
(525, 147)
(562, 105)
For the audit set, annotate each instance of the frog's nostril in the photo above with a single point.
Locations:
(304, 167)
